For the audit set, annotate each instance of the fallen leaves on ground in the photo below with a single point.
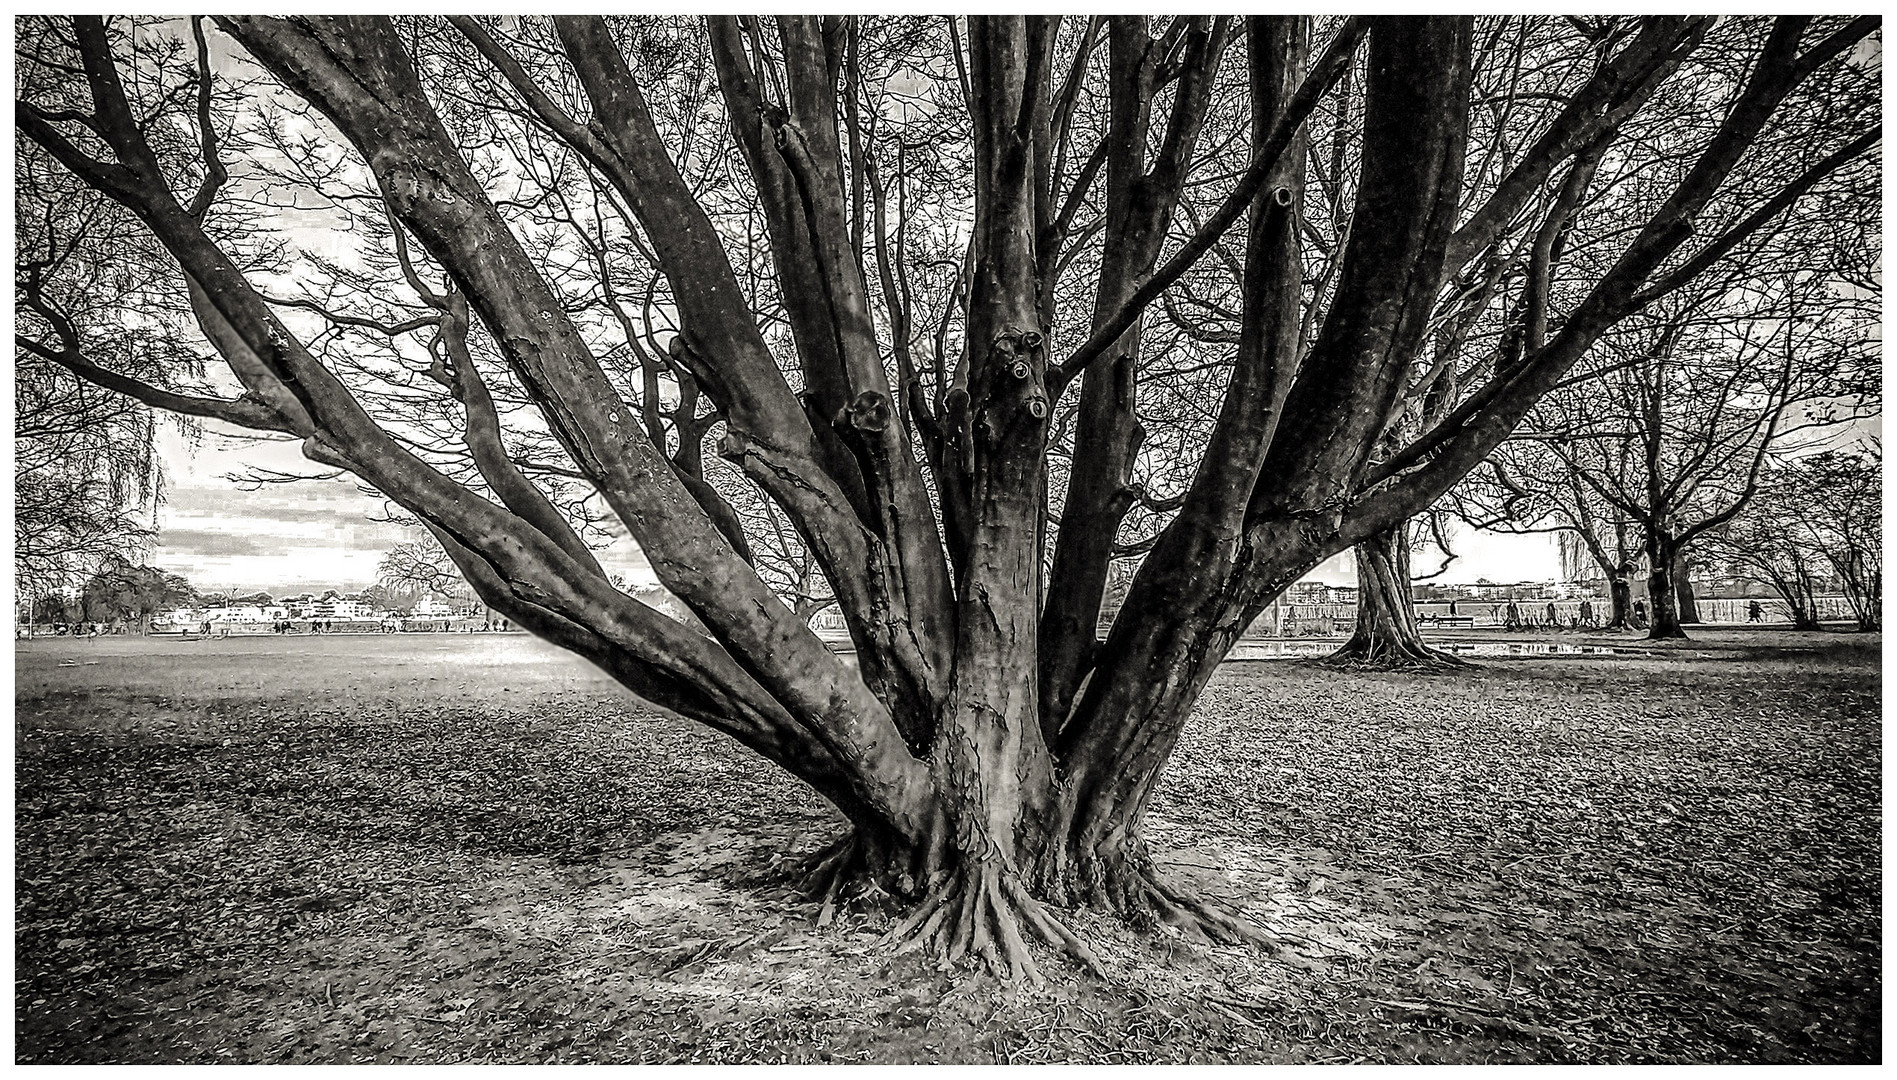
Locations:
(1663, 857)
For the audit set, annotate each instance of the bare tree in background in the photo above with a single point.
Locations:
(420, 568)
(1586, 527)
(1673, 431)
(992, 754)
(1814, 520)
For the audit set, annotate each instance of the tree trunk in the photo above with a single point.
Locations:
(1801, 598)
(1620, 598)
(1386, 633)
(1867, 596)
(1799, 605)
(1661, 595)
(1683, 590)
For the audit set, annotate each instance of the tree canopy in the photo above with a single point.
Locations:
(1668, 427)
(417, 569)
(121, 592)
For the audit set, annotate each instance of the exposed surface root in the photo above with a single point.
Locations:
(983, 911)
(837, 874)
(1384, 656)
(1197, 917)
(978, 912)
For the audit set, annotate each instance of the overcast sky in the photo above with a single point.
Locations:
(284, 538)
(316, 535)
(324, 534)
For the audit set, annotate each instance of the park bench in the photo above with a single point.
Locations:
(1447, 620)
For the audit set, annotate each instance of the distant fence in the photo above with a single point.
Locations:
(1330, 620)
(1830, 609)
(414, 624)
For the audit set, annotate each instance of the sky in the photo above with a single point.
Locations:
(315, 535)
(328, 534)
(284, 539)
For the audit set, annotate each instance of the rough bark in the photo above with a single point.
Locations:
(1686, 598)
(1662, 596)
(1620, 598)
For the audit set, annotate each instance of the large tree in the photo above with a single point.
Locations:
(991, 752)
(122, 593)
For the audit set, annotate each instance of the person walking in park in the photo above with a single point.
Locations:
(1552, 615)
(1755, 612)
(1587, 613)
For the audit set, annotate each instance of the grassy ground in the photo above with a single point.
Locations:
(454, 849)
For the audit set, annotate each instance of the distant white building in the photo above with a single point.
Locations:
(236, 613)
(1318, 592)
(341, 608)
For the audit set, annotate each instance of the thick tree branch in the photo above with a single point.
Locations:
(1480, 423)
(1323, 75)
(1608, 98)
(370, 90)
(1706, 257)
(239, 411)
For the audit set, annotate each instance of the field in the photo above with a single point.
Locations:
(441, 849)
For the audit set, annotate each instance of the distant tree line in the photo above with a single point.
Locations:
(120, 593)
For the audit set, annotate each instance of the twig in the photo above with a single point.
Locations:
(1233, 1013)
(1470, 1014)
(1538, 858)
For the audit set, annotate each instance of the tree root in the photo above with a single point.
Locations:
(836, 873)
(983, 912)
(978, 912)
(1198, 918)
(1359, 657)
